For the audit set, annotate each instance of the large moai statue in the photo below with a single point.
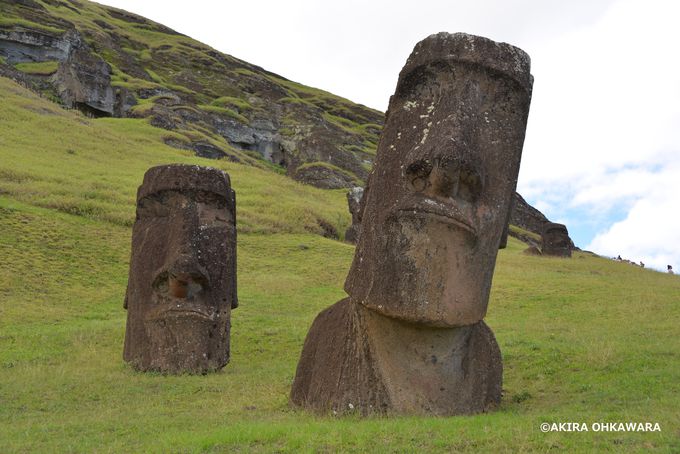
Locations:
(555, 240)
(182, 282)
(410, 338)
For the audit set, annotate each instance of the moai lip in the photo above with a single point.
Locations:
(410, 338)
(443, 180)
(555, 240)
(182, 282)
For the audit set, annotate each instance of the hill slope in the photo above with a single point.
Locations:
(584, 340)
(108, 62)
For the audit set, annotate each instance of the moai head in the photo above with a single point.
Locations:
(443, 180)
(182, 283)
(556, 241)
(354, 197)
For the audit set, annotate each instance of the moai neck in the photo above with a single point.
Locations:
(423, 368)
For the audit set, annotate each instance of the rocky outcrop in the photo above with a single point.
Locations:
(525, 216)
(323, 175)
(20, 45)
(83, 81)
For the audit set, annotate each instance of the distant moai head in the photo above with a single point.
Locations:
(182, 282)
(355, 197)
(555, 239)
(444, 176)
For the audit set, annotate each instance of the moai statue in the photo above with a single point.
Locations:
(410, 338)
(182, 282)
(354, 202)
(555, 239)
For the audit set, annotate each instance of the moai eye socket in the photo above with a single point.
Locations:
(153, 206)
(418, 175)
(446, 178)
(470, 184)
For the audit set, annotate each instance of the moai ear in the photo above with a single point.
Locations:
(504, 236)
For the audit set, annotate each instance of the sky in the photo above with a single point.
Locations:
(602, 150)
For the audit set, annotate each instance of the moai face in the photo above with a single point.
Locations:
(443, 181)
(556, 240)
(182, 283)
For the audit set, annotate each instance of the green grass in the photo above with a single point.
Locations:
(24, 23)
(522, 232)
(45, 68)
(224, 111)
(239, 104)
(583, 339)
(329, 166)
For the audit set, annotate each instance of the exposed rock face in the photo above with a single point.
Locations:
(21, 46)
(410, 337)
(84, 81)
(525, 216)
(323, 176)
(182, 283)
(556, 241)
(354, 201)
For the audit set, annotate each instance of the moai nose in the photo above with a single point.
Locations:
(182, 279)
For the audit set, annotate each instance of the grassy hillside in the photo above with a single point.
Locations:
(583, 340)
(204, 96)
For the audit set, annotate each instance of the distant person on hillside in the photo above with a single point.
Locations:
(670, 269)
(642, 264)
(618, 258)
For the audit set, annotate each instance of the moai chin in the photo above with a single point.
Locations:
(555, 240)
(410, 337)
(182, 282)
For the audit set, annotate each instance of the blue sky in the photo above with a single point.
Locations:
(602, 152)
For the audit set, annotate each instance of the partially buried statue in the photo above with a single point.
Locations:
(182, 283)
(410, 338)
(555, 240)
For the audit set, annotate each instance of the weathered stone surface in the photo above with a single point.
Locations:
(83, 81)
(182, 282)
(25, 46)
(354, 199)
(410, 337)
(323, 176)
(525, 216)
(444, 177)
(356, 360)
(555, 240)
(532, 250)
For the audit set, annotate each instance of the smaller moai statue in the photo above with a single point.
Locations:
(182, 281)
(556, 241)
(354, 202)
